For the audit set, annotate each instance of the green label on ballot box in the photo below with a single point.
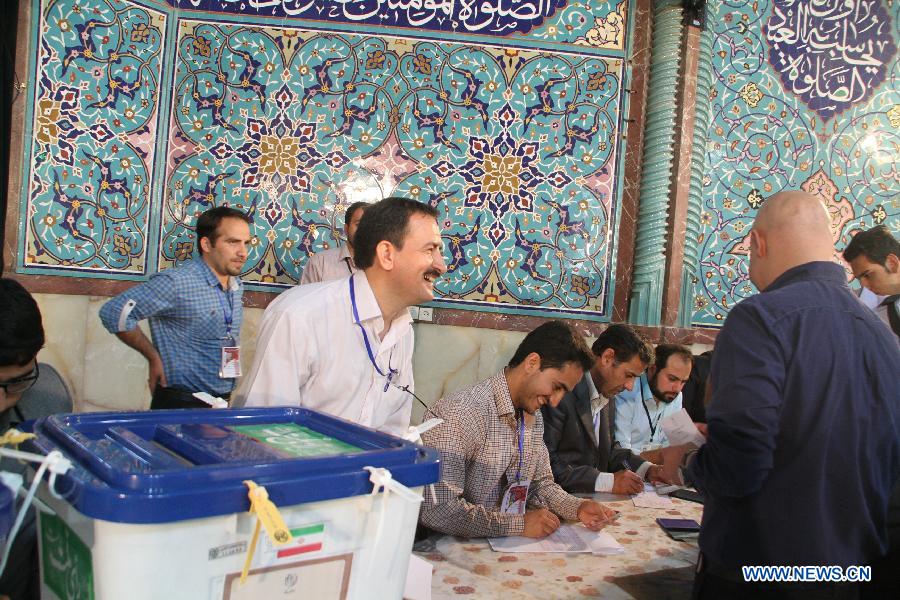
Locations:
(296, 440)
(68, 569)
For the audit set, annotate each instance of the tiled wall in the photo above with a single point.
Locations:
(506, 121)
(805, 96)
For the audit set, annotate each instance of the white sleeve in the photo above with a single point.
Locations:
(624, 416)
(280, 366)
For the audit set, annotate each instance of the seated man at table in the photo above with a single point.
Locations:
(657, 395)
(27, 391)
(495, 478)
(578, 431)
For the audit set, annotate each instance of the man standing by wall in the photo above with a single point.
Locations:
(495, 474)
(578, 432)
(195, 315)
(874, 257)
(345, 347)
(804, 424)
(336, 263)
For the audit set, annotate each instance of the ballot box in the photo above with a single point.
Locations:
(156, 505)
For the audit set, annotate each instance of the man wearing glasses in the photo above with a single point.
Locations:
(21, 336)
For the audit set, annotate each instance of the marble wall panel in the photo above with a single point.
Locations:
(104, 374)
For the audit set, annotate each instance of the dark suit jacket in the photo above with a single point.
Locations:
(575, 456)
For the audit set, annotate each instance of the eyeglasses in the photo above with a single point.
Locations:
(21, 384)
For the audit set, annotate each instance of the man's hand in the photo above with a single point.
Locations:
(652, 456)
(655, 475)
(157, 376)
(671, 460)
(594, 515)
(626, 482)
(540, 523)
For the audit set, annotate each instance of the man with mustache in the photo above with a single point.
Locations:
(657, 395)
(578, 432)
(336, 263)
(495, 473)
(345, 347)
(195, 315)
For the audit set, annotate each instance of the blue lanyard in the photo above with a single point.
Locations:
(521, 419)
(391, 371)
(228, 314)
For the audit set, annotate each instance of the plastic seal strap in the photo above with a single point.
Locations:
(56, 463)
(267, 516)
(14, 437)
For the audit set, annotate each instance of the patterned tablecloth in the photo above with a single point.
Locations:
(653, 566)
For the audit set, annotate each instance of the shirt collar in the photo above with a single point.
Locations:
(501, 394)
(367, 306)
(234, 283)
(598, 401)
(825, 270)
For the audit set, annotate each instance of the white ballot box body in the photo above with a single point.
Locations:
(160, 509)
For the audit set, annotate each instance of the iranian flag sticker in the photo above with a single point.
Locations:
(307, 539)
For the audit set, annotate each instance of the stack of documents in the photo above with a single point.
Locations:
(568, 538)
(679, 429)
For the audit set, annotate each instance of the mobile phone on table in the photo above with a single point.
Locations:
(679, 524)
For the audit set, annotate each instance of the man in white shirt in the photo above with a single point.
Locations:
(578, 432)
(345, 347)
(640, 410)
(336, 263)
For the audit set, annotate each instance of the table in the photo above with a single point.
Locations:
(653, 566)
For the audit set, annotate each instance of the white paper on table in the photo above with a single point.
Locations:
(651, 500)
(601, 543)
(418, 579)
(679, 429)
(564, 539)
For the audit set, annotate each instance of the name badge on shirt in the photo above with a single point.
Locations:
(230, 366)
(515, 498)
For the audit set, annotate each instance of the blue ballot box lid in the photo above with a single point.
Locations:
(171, 465)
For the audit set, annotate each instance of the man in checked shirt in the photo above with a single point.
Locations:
(496, 478)
(195, 315)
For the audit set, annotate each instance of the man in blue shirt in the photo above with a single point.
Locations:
(640, 410)
(195, 315)
(803, 440)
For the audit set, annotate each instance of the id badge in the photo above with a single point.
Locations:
(230, 366)
(515, 498)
